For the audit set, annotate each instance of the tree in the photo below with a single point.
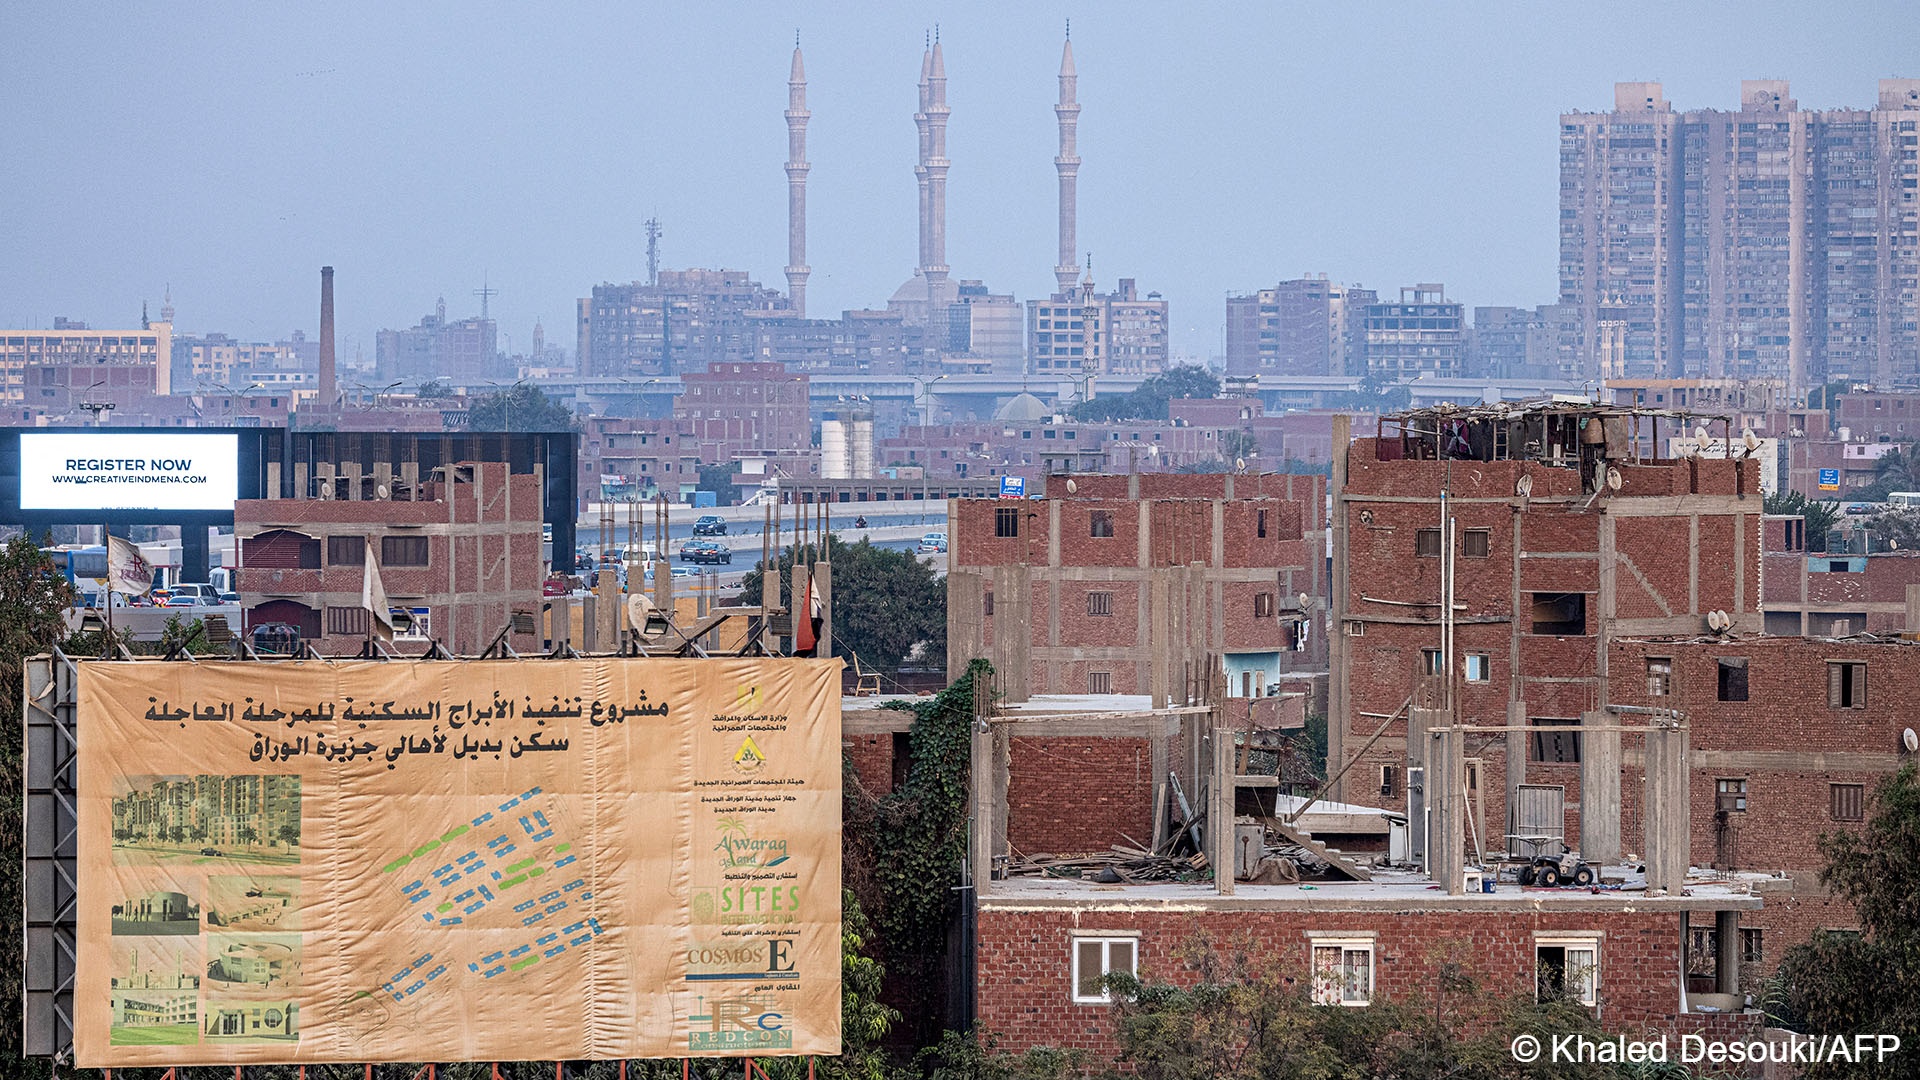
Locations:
(885, 602)
(718, 478)
(247, 834)
(1819, 514)
(519, 408)
(289, 835)
(1900, 529)
(1897, 470)
(1149, 401)
(433, 388)
(34, 598)
(1842, 983)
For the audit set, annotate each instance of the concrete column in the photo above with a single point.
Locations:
(1220, 789)
(1337, 651)
(1726, 970)
(980, 844)
(1002, 766)
(1446, 793)
(1159, 683)
(1666, 810)
(1913, 608)
(560, 621)
(823, 585)
(966, 619)
(802, 609)
(590, 608)
(1599, 792)
(607, 612)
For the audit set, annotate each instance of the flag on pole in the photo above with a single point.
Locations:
(373, 597)
(128, 571)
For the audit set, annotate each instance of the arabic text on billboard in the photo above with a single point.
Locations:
(129, 471)
(420, 861)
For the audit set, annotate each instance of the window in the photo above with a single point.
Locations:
(403, 551)
(986, 604)
(1848, 801)
(1389, 781)
(1260, 524)
(1659, 676)
(346, 550)
(1556, 747)
(1426, 543)
(1567, 968)
(1100, 523)
(1006, 522)
(1733, 678)
(1752, 945)
(347, 620)
(1559, 614)
(1479, 667)
(1353, 628)
(1730, 795)
(1430, 663)
(1100, 603)
(1093, 959)
(1476, 543)
(1099, 682)
(1263, 605)
(1342, 971)
(1846, 686)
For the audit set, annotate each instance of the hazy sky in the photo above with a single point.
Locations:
(232, 150)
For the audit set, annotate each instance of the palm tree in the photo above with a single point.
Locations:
(1898, 470)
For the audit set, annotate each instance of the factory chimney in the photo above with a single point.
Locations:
(328, 391)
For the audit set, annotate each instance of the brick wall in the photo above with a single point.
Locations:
(1024, 961)
(1072, 796)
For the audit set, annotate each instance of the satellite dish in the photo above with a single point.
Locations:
(639, 606)
(1718, 621)
(381, 491)
(1910, 740)
(1523, 487)
(326, 490)
(1306, 602)
(1614, 479)
(1747, 438)
(1071, 486)
(1700, 433)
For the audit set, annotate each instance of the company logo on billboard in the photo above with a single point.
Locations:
(746, 699)
(743, 905)
(748, 760)
(739, 849)
(738, 1022)
(741, 959)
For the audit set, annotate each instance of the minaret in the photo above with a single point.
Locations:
(166, 305)
(936, 264)
(797, 114)
(920, 163)
(1067, 164)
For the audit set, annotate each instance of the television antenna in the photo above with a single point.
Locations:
(485, 293)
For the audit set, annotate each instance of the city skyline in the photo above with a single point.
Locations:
(1220, 152)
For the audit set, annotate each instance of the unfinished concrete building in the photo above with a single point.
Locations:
(1542, 532)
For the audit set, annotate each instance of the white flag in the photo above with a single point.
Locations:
(128, 571)
(373, 597)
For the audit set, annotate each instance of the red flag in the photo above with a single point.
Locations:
(804, 638)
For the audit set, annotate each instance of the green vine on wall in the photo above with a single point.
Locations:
(905, 850)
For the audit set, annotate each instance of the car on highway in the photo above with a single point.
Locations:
(189, 594)
(934, 543)
(1861, 508)
(709, 525)
(705, 551)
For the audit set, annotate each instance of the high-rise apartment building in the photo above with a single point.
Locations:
(1769, 242)
(1422, 333)
(1307, 326)
(46, 372)
(1514, 342)
(463, 350)
(690, 319)
(1090, 333)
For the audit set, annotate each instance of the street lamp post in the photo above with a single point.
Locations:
(926, 422)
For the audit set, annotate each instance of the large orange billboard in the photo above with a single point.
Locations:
(478, 860)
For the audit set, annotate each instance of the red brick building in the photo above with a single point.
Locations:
(735, 410)
(1132, 584)
(459, 554)
(1835, 593)
(1553, 562)
(1790, 738)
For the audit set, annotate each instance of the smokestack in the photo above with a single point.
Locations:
(327, 389)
